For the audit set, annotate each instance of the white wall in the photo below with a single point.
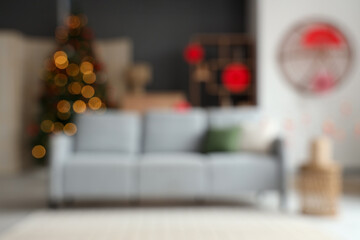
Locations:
(11, 76)
(307, 114)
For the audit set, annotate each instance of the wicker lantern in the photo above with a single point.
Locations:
(320, 181)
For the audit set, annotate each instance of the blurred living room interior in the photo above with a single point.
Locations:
(235, 119)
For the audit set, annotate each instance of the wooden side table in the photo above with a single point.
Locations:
(320, 188)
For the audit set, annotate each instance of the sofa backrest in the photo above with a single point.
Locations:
(230, 116)
(168, 131)
(112, 131)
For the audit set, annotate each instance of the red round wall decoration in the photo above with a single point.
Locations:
(315, 57)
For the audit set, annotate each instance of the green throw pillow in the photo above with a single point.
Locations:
(222, 140)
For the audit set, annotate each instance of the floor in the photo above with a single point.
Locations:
(20, 196)
(25, 194)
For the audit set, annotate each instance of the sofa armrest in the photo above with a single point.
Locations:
(61, 146)
(278, 150)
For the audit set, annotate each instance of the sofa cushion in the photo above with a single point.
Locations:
(258, 136)
(167, 131)
(257, 132)
(222, 140)
(172, 175)
(100, 176)
(112, 131)
(233, 173)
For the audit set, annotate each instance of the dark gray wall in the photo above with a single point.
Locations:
(159, 28)
(32, 17)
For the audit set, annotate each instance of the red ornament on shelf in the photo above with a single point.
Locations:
(194, 53)
(182, 106)
(236, 77)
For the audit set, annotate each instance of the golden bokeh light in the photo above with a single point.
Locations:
(63, 106)
(87, 91)
(70, 129)
(75, 88)
(59, 54)
(47, 126)
(72, 69)
(73, 22)
(79, 106)
(64, 116)
(61, 65)
(60, 79)
(58, 127)
(94, 103)
(61, 60)
(89, 78)
(86, 67)
(38, 151)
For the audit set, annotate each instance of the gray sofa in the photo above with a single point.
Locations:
(124, 156)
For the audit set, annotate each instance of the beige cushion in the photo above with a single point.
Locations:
(258, 136)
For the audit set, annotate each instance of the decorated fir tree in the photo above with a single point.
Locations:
(72, 84)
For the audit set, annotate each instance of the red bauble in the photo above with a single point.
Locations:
(194, 53)
(236, 77)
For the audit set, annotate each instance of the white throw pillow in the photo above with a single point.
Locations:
(258, 136)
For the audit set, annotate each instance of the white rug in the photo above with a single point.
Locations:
(162, 224)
